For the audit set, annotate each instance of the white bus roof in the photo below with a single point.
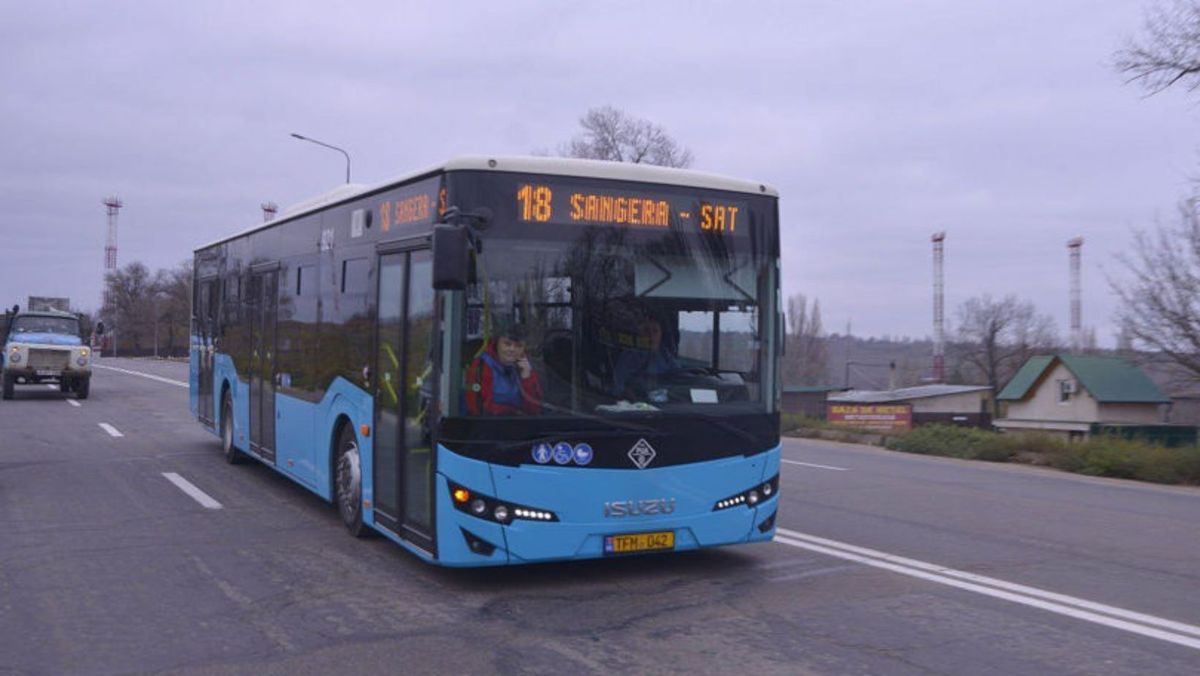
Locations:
(561, 166)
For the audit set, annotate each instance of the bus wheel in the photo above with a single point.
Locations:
(232, 455)
(348, 482)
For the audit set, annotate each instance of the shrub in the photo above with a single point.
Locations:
(1098, 456)
(952, 441)
(1131, 459)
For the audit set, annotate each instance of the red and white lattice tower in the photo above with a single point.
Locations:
(1075, 247)
(269, 210)
(114, 205)
(939, 308)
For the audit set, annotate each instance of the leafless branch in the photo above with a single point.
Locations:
(614, 135)
(1168, 53)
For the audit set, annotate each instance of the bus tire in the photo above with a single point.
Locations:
(347, 482)
(8, 386)
(232, 455)
(82, 387)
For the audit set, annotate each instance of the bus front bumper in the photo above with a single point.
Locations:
(585, 527)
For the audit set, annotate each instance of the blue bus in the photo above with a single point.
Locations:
(342, 343)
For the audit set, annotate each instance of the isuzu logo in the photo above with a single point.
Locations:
(642, 453)
(619, 508)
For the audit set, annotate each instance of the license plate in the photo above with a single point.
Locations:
(639, 542)
(47, 372)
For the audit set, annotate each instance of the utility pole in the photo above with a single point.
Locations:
(1075, 247)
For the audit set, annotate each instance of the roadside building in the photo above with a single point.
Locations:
(808, 400)
(1185, 408)
(1080, 395)
(905, 407)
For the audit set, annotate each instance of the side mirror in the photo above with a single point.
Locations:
(451, 251)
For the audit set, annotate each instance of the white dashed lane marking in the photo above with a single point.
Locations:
(195, 493)
(72, 402)
(112, 431)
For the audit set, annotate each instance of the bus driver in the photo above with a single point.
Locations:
(501, 381)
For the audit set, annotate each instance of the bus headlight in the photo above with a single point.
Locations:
(751, 497)
(491, 509)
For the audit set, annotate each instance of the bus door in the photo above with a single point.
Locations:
(264, 299)
(405, 329)
(206, 327)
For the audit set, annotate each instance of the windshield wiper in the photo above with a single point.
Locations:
(598, 418)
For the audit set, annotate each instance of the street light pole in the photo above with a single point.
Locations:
(313, 140)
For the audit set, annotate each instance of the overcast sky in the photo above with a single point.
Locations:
(1002, 123)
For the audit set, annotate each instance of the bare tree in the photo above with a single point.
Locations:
(998, 336)
(1169, 51)
(128, 306)
(614, 135)
(1160, 306)
(807, 358)
(173, 303)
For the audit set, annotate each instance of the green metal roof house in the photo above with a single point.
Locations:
(1071, 393)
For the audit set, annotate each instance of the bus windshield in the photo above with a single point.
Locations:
(609, 325)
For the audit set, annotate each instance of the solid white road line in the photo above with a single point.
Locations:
(1082, 609)
(112, 431)
(991, 581)
(195, 493)
(72, 402)
(809, 464)
(177, 383)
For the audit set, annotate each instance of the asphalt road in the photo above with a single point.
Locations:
(885, 564)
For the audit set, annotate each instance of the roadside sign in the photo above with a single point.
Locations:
(873, 417)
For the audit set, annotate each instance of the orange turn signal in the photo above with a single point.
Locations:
(461, 495)
(365, 430)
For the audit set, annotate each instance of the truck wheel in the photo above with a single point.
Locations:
(232, 455)
(348, 482)
(82, 386)
(8, 386)
(64, 385)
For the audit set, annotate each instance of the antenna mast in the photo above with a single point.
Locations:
(114, 205)
(939, 305)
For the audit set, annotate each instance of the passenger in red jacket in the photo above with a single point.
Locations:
(501, 381)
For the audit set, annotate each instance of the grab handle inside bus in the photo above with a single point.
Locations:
(450, 254)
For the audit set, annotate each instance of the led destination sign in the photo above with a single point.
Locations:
(551, 204)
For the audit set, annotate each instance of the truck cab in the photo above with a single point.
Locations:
(45, 346)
